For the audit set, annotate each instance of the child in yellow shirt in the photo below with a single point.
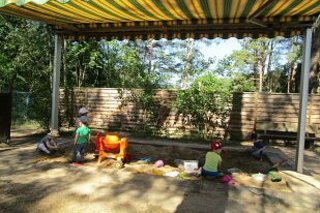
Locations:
(213, 161)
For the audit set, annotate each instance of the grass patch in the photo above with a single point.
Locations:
(26, 125)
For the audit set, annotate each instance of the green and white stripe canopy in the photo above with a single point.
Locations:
(169, 18)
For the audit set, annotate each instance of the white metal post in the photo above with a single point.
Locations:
(304, 88)
(56, 84)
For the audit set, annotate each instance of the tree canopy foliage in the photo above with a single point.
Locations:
(25, 62)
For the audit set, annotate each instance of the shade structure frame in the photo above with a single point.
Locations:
(109, 19)
(54, 127)
(183, 31)
(303, 103)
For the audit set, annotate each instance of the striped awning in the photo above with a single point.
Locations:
(168, 18)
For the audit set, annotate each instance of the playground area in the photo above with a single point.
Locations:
(31, 182)
(154, 66)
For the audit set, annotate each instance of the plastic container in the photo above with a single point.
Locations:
(259, 177)
(190, 166)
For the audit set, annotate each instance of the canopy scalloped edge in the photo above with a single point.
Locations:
(4, 3)
(98, 18)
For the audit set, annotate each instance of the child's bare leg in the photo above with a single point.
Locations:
(43, 148)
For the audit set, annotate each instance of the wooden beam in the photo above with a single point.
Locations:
(316, 23)
(192, 27)
(253, 32)
(260, 9)
(253, 17)
(269, 29)
(257, 22)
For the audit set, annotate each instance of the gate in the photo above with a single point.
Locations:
(5, 116)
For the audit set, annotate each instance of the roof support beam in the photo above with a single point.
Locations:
(304, 88)
(55, 85)
(210, 30)
(257, 22)
(253, 17)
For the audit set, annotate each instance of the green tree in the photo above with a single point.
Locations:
(260, 59)
(25, 62)
(207, 102)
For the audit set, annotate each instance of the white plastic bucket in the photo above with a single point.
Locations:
(190, 166)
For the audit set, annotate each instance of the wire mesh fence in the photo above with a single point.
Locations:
(22, 111)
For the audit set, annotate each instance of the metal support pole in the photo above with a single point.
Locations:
(304, 88)
(55, 85)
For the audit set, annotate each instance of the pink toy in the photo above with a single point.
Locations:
(159, 163)
(227, 179)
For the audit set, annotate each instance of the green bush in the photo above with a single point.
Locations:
(207, 103)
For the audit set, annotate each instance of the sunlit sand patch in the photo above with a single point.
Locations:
(247, 180)
(92, 185)
(56, 173)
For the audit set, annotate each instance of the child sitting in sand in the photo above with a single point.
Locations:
(213, 161)
(48, 144)
(258, 146)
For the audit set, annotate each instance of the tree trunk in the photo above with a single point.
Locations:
(290, 71)
(261, 74)
(64, 64)
(297, 78)
(290, 76)
(315, 60)
(150, 55)
(263, 57)
(255, 71)
(187, 66)
(269, 77)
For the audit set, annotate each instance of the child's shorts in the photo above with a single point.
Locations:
(256, 154)
(211, 174)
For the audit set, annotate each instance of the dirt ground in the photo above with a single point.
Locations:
(31, 182)
(231, 159)
(143, 158)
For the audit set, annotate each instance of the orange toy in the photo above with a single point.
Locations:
(111, 146)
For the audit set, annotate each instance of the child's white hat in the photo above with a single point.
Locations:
(83, 110)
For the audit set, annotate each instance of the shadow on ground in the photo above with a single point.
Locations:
(35, 183)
